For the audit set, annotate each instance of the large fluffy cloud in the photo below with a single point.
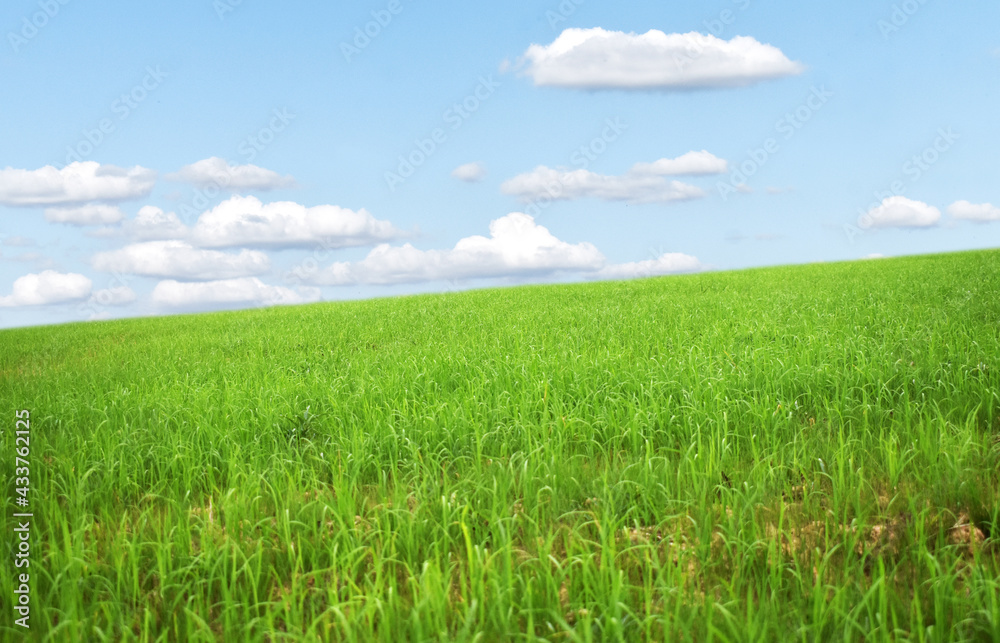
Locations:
(180, 260)
(974, 211)
(516, 246)
(900, 212)
(246, 221)
(644, 183)
(666, 264)
(47, 287)
(597, 58)
(90, 214)
(237, 178)
(228, 293)
(76, 183)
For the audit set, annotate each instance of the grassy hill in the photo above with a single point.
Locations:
(803, 453)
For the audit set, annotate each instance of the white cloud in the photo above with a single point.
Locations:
(90, 214)
(875, 255)
(666, 264)
(228, 293)
(900, 212)
(245, 221)
(516, 246)
(76, 183)
(31, 257)
(153, 224)
(18, 242)
(48, 287)
(643, 186)
(597, 59)
(237, 178)
(692, 163)
(470, 172)
(974, 212)
(117, 296)
(180, 260)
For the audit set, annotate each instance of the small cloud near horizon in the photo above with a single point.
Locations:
(470, 172)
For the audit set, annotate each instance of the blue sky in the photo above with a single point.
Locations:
(248, 149)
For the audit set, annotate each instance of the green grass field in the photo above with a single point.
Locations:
(805, 453)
